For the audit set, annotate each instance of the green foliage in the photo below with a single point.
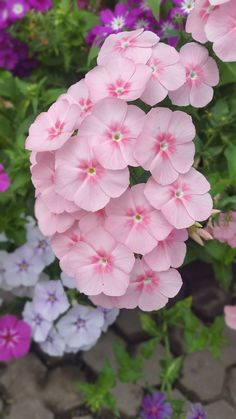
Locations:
(98, 395)
(155, 8)
(129, 367)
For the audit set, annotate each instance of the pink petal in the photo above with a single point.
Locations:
(170, 283)
(199, 207)
(200, 96)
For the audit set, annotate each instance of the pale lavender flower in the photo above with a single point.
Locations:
(54, 344)
(109, 315)
(67, 281)
(22, 267)
(3, 256)
(81, 327)
(155, 406)
(40, 326)
(40, 245)
(50, 299)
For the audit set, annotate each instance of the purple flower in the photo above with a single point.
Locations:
(50, 299)
(41, 5)
(155, 406)
(14, 338)
(109, 315)
(81, 327)
(40, 326)
(4, 15)
(196, 412)
(185, 6)
(4, 178)
(121, 18)
(17, 9)
(166, 26)
(67, 281)
(40, 245)
(54, 344)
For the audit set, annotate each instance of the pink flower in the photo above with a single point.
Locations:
(135, 45)
(202, 73)
(216, 2)
(99, 264)
(62, 243)
(4, 179)
(14, 338)
(120, 78)
(91, 220)
(165, 146)
(149, 290)
(53, 128)
(78, 94)
(43, 178)
(167, 74)
(134, 222)
(221, 30)
(230, 316)
(224, 229)
(80, 177)
(114, 126)
(184, 201)
(105, 301)
(49, 222)
(169, 252)
(198, 18)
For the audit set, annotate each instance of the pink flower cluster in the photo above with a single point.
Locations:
(121, 244)
(224, 229)
(215, 21)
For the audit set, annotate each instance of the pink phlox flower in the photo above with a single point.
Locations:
(53, 128)
(62, 243)
(14, 338)
(183, 202)
(168, 74)
(224, 228)
(165, 145)
(198, 18)
(230, 316)
(99, 264)
(134, 222)
(135, 45)
(201, 74)
(114, 126)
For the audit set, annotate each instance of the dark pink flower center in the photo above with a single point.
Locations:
(90, 170)
(85, 105)
(165, 144)
(194, 74)
(103, 262)
(147, 282)
(138, 217)
(179, 191)
(117, 133)
(118, 88)
(124, 43)
(9, 337)
(55, 131)
(156, 66)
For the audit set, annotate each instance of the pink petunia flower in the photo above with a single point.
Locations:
(184, 201)
(169, 252)
(134, 222)
(167, 74)
(120, 78)
(43, 178)
(4, 179)
(135, 45)
(221, 30)
(78, 94)
(14, 338)
(53, 128)
(99, 264)
(198, 18)
(50, 222)
(165, 146)
(230, 316)
(62, 243)
(149, 290)
(201, 74)
(80, 178)
(114, 126)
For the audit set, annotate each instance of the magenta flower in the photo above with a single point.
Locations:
(4, 178)
(14, 338)
(41, 5)
(155, 406)
(4, 15)
(17, 9)
(185, 6)
(196, 412)
(122, 17)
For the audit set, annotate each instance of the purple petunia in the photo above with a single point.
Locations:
(155, 406)
(185, 6)
(196, 412)
(121, 18)
(4, 15)
(4, 178)
(41, 5)
(17, 9)
(14, 338)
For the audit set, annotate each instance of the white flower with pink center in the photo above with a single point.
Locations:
(53, 128)
(169, 252)
(165, 145)
(201, 74)
(149, 290)
(221, 30)
(198, 18)
(78, 94)
(120, 78)
(184, 201)
(81, 178)
(62, 243)
(99, 264)
(135, 45)
(43, 178)
(114, 126)
(133, 221)
(167, 74)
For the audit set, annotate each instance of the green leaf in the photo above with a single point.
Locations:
(155, 8)
(93, 53)
(170, 369)
(230, 154)
(129, 368)
(228, 73)
(149, 326)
